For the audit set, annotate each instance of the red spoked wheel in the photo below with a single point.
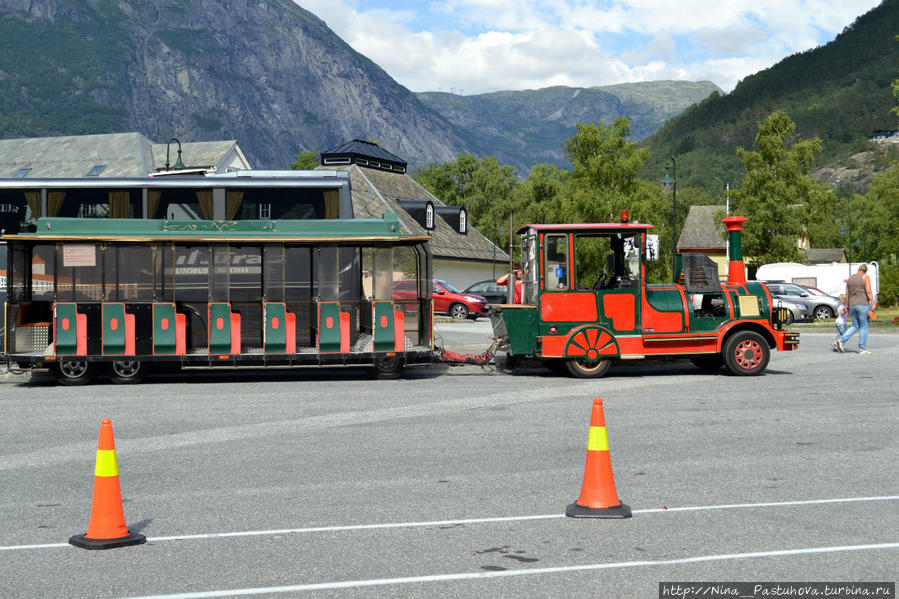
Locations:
(746, 353)
(589, 352)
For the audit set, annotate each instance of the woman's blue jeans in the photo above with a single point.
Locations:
(860, 324)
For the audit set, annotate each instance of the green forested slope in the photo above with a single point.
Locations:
(839, 92)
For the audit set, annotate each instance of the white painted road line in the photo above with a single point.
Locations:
(352, 584)
(283, 531)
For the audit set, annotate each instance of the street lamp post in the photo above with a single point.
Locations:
(670, 181)
(501, 229)
(178, 164)
(848, 239)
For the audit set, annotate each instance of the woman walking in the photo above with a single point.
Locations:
(861, 300)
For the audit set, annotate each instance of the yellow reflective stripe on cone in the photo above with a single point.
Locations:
(106, 463)
(598, 440)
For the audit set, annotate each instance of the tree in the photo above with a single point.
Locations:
(605, 164)
(306, 161)
(776, 181)
(483, 187)
(538, 198)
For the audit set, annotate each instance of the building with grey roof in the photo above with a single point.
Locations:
(380, 183)
(703, 233)
(113, 155)
(824, 255)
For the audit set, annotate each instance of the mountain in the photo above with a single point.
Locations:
(275, 78)
(526, 127)
(264, 72)
(839, 92)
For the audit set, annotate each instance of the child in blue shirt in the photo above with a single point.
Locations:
(840, 322)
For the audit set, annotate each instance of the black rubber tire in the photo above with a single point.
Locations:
(74, 372)
(582, 369)
(746, 353)
(709, 362)
(388, 368)
(823, 312)
(126, 372)
(458, 311)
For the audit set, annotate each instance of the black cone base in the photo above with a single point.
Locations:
(86, 543)
(578, 511)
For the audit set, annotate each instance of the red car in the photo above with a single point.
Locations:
(447, 299)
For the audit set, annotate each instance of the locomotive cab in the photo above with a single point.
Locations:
(585, 303)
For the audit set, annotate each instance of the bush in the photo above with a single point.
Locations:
(889, 285)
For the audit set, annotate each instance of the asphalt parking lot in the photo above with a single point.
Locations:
(453, 482)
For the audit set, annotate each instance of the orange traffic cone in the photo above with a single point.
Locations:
(107, 527)
(598, 496)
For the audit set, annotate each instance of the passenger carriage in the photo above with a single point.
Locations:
(86, 295)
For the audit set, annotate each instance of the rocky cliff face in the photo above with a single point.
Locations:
(526, 127)
(264, 72)
(270, 75)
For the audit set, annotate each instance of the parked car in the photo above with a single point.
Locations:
(447, 299)
(796, 312)
(819, 306)
(495, 294)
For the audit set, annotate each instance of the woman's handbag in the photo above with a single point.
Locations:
(872, 315)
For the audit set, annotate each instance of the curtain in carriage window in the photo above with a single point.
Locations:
(153, 196)
(332, 204)
(54, 202)
(233, 200)
(34, 203)
(119, 204)
(205, 199)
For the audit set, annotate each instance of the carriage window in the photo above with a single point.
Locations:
(349, 283)
(81, 272)
(129, 273)
(245, 273)
(556, 273)
(298, 283)
(218, 281)
(164, 273)
(405, 263)
(273, 275)
(631, 248)
(382, 274)
(530, 268)
(15, 211)
(42, 264)
(326, 270)
(192, 273)
(593, 267)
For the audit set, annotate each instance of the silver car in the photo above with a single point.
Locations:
(796, 312)
(820, 306)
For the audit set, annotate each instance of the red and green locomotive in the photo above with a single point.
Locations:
(585, 303)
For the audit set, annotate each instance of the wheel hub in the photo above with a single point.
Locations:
(73, 368)
(126, 368)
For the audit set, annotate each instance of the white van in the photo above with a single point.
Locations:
(829, 278)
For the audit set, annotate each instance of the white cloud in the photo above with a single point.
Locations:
(479, 46)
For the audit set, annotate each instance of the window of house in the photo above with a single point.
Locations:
(95, 170)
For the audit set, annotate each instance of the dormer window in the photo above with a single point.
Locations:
(21, 173)
(95, 170)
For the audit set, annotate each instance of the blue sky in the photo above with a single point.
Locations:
(479, 46)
